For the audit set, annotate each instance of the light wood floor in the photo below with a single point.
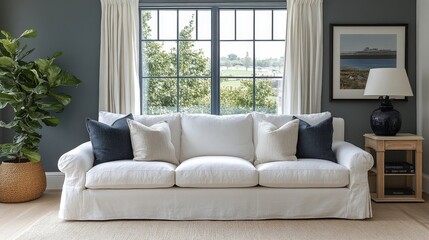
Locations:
(17, 218)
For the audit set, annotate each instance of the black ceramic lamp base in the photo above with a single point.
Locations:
(385, 121)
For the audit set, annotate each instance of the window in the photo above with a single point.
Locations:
(211, 59)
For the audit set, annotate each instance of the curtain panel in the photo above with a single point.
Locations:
(119, 57)
(302, 86)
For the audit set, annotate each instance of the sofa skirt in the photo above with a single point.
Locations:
(214, 204)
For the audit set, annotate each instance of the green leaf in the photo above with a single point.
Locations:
(43, 65)
(34, 124)
(57, 54)
(41, 89)
(24, 127)
(36, 115)
(32, 155)
(53, 73)
(6, 34)
(8, 125)
(16, 105)
(29, 33)
(66, 79)
(56, 107)
(20, 138)
(7, 84)
(62, 98)
(36, 75)
(19, 96)
(9, 149)
(10, 46)
(52, 121)
(6, 97)
(6, 62)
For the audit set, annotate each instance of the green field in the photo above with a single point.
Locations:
(230, 83)
(236, 72)
(249, 73)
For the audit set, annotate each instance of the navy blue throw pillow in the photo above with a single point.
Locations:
(315, 141)
(110, 143)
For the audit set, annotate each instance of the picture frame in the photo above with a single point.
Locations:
(357, 48)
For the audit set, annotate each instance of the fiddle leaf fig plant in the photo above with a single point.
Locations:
(30, 89)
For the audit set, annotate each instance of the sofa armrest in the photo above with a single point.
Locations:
(359, 163)
(355, 159)
(75, 163)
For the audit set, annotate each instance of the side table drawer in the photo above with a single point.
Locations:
(400, 145)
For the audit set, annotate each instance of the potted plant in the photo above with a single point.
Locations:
(29, 88)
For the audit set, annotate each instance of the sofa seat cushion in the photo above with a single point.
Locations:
(216, 172)
(131, 174)
(304, 173)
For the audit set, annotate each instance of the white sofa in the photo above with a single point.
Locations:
(217, 178)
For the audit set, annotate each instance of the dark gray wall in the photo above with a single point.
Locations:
(356, 113)
(73, 27)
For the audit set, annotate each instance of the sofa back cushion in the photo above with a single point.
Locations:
(212, 135)
(338, 124)
(173, 121)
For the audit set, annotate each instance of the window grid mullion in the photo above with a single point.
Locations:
(157, 24)
(177, 62)
(254, 62)
(272, 24)
(140, 65)
(235, 24)
(196, 25)
(215, 53)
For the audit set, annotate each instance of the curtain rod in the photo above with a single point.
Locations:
(177, 3)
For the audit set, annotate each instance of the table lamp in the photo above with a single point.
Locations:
(385, 82)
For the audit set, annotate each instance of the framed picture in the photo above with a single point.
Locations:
(355, 49)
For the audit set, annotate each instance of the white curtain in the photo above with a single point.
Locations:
(302, 86)
(119, 57)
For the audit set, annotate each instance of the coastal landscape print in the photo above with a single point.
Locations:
(361, 52)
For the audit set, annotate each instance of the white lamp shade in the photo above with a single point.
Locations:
(388, 82)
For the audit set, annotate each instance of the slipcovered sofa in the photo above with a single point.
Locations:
(218, 176)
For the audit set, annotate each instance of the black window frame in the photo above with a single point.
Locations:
(215, 76)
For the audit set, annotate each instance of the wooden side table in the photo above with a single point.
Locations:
(404, 141)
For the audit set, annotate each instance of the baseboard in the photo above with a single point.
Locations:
(54, 180)
(425, 183)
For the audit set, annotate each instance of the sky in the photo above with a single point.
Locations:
(244, 31)
(357, 42)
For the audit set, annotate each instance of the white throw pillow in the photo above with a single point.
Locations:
(152, 143)
(173, 121)
(277, 144)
